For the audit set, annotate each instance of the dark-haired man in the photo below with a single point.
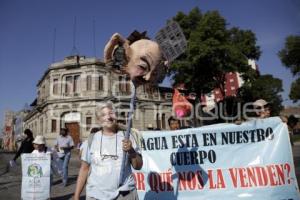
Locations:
(174, 123)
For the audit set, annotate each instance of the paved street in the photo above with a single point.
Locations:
(10, 182)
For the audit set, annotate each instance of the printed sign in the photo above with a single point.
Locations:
(223, 161)
(36, 176)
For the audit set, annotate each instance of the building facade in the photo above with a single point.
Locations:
(70, 90)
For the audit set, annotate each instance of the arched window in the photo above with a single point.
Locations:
(158, 121)
(41, 126)
(100, 83)
(89, 83)
(55, 86)
(68, 85)
(76, 84)
(163, 120)
(128, 86)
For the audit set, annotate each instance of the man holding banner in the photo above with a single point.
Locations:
(102, 159)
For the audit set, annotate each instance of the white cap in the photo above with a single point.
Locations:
(39, 139)
(260, 103)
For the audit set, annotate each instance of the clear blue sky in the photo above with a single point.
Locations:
(27, 31)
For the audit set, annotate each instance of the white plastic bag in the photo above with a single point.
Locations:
(55, 164)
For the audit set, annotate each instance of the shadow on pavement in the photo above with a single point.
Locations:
(71, 180)
(68, 196)
(56, 182)
(4, 169)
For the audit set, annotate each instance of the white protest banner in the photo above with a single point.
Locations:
(223, 161)
(36, 176)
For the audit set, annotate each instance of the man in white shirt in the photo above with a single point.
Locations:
(64, 144)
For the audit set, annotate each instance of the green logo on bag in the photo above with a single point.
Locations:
(35, 171)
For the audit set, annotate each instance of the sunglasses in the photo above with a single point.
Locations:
(105, 156)
(265, 108)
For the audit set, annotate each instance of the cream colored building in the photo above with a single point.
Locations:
(69, 91)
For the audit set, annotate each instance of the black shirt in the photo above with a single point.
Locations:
(26, 147)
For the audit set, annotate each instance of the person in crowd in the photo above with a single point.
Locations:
(64, 144)
(292, 123)
(102, 160)
(40, 147)
(262, 108)
(174, 123)
(150, 127)
(39, 144)
(26, 145)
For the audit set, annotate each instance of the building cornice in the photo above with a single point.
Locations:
(71, 64)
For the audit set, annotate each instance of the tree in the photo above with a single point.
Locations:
(264, 87)
(290, 54)
(213, 50)
(290, 57)
(295, 90)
